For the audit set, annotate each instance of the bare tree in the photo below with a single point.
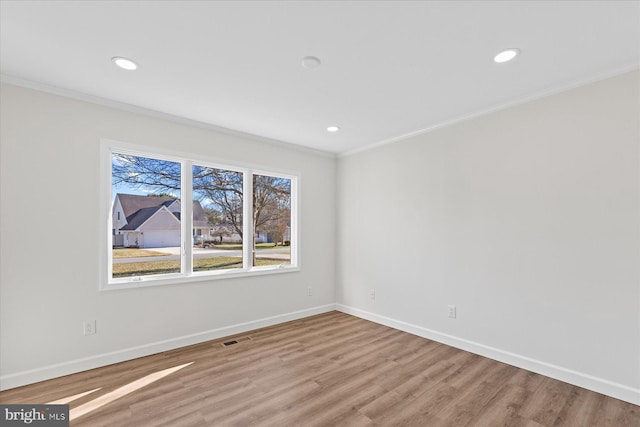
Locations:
(278, 228)
(271, 201)
(221, 189)
(143, 172)
(217, 189)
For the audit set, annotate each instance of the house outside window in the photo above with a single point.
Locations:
(156, 238)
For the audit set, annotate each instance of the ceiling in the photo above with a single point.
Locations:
(389, 68)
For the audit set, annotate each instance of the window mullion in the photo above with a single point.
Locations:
(186, 213)
(247, 220)
(215, 217)
(106, 159)
(294, 238)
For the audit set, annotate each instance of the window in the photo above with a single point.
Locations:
(218, 196)
(272, 219)
(147, 191)
(154, 237)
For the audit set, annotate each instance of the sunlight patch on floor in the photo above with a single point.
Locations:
(66, 400)
(122, 391)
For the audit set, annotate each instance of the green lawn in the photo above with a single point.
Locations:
(135, 253)
(236, 247)
(173, 266)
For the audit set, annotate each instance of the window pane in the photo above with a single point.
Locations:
(145, 216)
(271, 220)
(217, 219)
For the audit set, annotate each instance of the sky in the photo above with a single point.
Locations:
(125, 188)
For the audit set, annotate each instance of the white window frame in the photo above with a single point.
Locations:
(187, 160)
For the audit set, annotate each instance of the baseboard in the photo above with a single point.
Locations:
(589, 382)
(78, 365)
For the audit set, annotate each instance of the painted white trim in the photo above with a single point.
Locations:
(197, 276)
(122, 106)
(482, 112)
(599, 385)
(247, 226)
(186, 216)
(107, 282)
(78, 365)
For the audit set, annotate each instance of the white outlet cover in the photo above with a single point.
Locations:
(452, 311)
(89, 327)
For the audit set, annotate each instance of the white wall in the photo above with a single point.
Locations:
(49, 283)
(526, 219)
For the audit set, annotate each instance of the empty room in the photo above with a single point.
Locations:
(320, 213)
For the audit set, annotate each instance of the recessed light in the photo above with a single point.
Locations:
(333, 129)
(124, 63)
(311, 62)
(506, 55)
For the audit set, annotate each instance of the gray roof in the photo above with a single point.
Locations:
(132, 203)
(140, 217)
(138, 209)
(199, 218)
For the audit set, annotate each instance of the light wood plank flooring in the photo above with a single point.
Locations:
(327, 370)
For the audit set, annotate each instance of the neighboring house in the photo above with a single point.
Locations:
(152, 222)
(203, 230)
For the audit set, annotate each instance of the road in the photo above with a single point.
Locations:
(278, 253)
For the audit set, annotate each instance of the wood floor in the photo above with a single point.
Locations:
(327, 370)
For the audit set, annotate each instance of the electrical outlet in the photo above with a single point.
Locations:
(452, 311)
(309, 291)
(372, 294)
(89, 327)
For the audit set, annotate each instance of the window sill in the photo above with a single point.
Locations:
(149, 281)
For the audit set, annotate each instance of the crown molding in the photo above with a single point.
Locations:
(68, 93)
(519, 101)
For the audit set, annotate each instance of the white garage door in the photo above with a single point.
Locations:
(161, 239)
